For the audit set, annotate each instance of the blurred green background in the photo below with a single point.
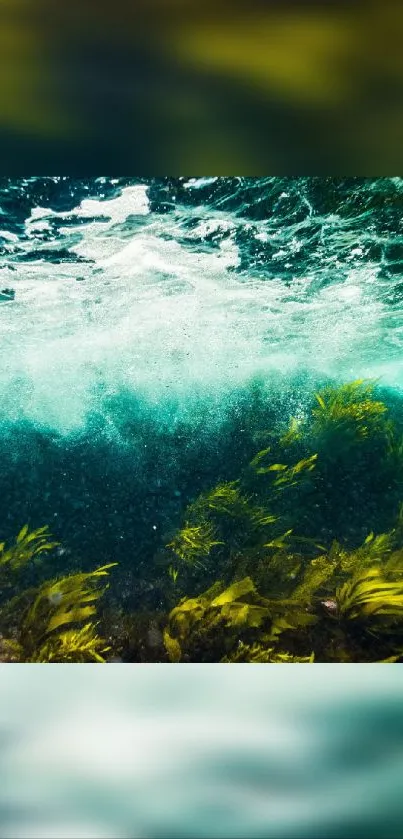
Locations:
(180, 86)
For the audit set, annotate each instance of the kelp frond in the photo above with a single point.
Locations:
(349, 408)
(194, 542)
(392, 659)
(227, 499)
(346, 603)
(383, 548)
(28, 544)
(67, 600)
(368, 594)
(75, 646)
(259, 517)
(224, 498)
(374, 549)
(317, 575)
(291, 475)
(285, 476)
(10, 650)
(173, 573)
(214, 613)
(59, 604)
(44, 622)
(294, 433)
(279, 541)
(258, 654)
(256, 463)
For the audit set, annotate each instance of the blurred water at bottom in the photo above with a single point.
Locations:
(285, 752)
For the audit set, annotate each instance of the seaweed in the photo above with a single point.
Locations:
(226, 498)
(224, 517)
(216, 617)
(28, 544)
(44, 621)
(287, 475)
(332, 594)
(368, 594)
(77, 646)
(343, 605)
(289, 559)
(193, 542)
(259, 654)
(294, 433)
(349, 410)
(173, 573)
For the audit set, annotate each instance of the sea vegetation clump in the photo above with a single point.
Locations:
(348, 449)
(349, 412)
(339, 606)
(294, 554)
(51, 622)
(282, 588)
(193, 542)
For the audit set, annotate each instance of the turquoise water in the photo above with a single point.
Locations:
(139, 318)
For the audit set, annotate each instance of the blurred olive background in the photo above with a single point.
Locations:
(195, 86)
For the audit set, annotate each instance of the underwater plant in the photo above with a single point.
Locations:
(308, 562)
(343, 605)
(222, 518)
(45, 620)
(194, 542)
(228, 500)
(350, 411)
(27, 546)
(294, 433)
(220, 620)
(295, 522)
(328, 472)
(214, 618)
(219, 516)
(77, 646)
(60, 603)
(286, 475)
(173, 573)
(259, 654)
(224, 498)
(368, 594)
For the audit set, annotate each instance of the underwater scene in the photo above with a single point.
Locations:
(201, 393)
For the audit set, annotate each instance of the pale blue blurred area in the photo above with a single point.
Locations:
(189, 751)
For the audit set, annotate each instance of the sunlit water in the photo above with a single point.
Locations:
(183, 290)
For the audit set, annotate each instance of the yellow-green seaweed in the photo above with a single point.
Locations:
(46, 619)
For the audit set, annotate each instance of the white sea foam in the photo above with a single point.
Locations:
(168, 319)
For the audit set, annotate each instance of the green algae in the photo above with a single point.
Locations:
(50, 622)
(254, 572)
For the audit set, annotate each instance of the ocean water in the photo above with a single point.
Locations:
(152, 331)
